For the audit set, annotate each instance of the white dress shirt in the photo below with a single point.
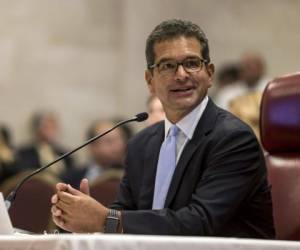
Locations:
(187, 126)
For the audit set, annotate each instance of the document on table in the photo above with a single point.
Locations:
(5, 225)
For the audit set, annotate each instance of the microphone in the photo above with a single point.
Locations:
(12, 195)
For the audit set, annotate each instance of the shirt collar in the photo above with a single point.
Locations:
(188, 124)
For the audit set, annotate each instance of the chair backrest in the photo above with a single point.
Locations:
(104, 189)
(31, 208)
(280, 136)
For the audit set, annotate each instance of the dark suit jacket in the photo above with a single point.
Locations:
(219, 187)
(28, 158)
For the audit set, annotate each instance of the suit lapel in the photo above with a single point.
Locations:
(150, 166)
(205, 125)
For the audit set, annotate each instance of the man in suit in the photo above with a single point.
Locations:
(44, 147)
(155, 110)
(219, 185)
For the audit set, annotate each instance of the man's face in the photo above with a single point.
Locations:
(110, 150)
(156, 111)
(252, 68)
(48, 129)
(181, 91)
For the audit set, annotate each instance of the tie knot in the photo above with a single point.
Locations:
(173, 131)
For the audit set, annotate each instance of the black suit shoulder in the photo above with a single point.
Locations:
(228, 135)
(27, 157)
(227, 123)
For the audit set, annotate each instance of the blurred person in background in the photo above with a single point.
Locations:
(253, 70)
(249, 78)
(127, 129)
(228, 84)
(44, 146)
(155, 110)
(247, 105)
(247, 108)
(104, 154)
(7, 154)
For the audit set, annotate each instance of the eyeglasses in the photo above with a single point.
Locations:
(190, 65)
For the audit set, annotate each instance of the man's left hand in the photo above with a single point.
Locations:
(75, 211)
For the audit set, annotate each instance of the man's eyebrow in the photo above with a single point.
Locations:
(172, 59)
(165, 60)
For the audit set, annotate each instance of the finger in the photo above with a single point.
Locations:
(59, 222)
(56, 211)
(73, 191)
(66, 197)
(62, 206)
(65, 210)
(61, 186)
(63, 223)
(65, 207)
(84, 186)
(54, 199)
(66, 202)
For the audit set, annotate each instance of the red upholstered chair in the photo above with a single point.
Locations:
(31, 209)
(280, 135)
(105, 188)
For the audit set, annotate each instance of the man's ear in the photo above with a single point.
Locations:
(149, 80)
(210, 68)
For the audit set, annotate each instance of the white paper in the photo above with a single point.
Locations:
(5, 223)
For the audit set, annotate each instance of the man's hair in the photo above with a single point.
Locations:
(38, 117)
(125, 129)
(5, 135)
(175, 28)
(92, 129)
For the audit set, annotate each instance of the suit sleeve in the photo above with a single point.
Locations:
(233, 169)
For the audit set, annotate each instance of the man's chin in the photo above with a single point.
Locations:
(186, 104)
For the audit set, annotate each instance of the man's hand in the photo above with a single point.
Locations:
(76, 211)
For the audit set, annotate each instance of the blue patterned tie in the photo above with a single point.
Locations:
(165, 168)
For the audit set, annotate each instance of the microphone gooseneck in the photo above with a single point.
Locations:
(12, 195)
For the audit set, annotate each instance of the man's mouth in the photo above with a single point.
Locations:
(182, 89)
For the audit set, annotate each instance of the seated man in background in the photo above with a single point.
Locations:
(44, 147)
(250, 79)
(247, 108)
(155, 110)
(246, 105)
(7, 155)
(227, 84)
(104, 154)
(199, 172)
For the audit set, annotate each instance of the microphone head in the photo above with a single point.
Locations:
(141, 117)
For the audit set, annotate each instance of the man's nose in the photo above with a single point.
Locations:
(180, 73)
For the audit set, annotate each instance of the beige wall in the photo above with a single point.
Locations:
(85, 58)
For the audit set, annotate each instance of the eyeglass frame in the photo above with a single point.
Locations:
(203, 62)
